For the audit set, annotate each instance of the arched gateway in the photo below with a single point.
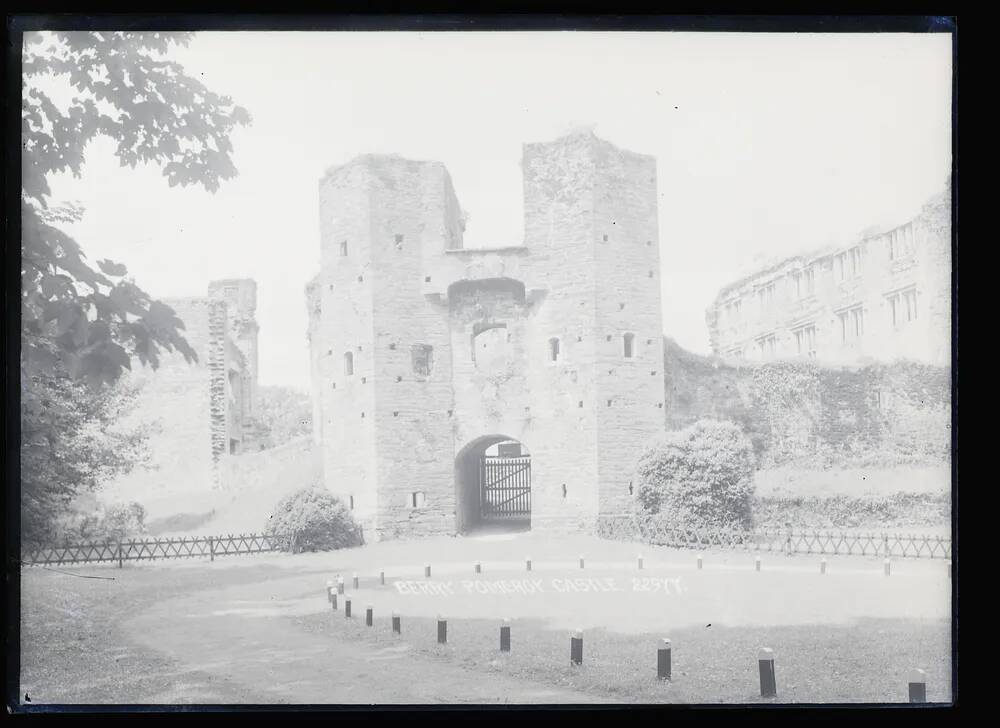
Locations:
(492, 484)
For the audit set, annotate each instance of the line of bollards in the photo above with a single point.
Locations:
(505, 636)
(576, 648)
(663, 660)
(916, 682)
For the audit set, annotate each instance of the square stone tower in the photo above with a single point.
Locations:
(427, 355)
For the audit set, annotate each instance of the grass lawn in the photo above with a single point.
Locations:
(862, 662)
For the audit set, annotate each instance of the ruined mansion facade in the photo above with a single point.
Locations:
(451, 385)
(886, 295)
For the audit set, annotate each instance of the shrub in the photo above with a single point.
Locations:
(116, 522)
(313, 519)
(699, 476)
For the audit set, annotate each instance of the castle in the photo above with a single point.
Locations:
(456, 385)
(886, 295)
(208, 406)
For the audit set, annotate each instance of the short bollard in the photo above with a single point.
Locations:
(397, 627)
(381, 577)
(505, 636)
(663, 660)
(527, 564)
(640, 562)
(949, 569)
(887, 567)
(355, 581)
(576, 648)
(756, 563)
(340, 585)
(581, 561)
(369, 616)
(478, 568)
(427, 571)
(699, 561)
(822, 566)
(918, 686)
(347, 607)
(442, 630)
(765, 661)
(329, 591)
(333, 601)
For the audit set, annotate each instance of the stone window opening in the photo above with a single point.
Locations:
(605, 238)
(399, 241)
(392, 347)
(351, 501)
(418, 499)
(395, 413)
(427, 279)
(564, 490)
(423, 359)
(630, 490)
(364, 380)
(343, 248)
(581, 404)
(348, 363)
(609, 403)
(650, 274)
(621, 306)
(553, 349)
(334, 385)
(629, 345)
(361, 279)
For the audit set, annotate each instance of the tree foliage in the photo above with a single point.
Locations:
(70, 443)
(83, 323)
(699, 476)
(90, 321)
(285, 413)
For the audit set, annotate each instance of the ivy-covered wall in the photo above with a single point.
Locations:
(804, 413)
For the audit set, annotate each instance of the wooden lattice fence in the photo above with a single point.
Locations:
(790, 541)
(152, 549)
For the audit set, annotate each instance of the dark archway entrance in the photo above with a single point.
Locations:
(493, 485)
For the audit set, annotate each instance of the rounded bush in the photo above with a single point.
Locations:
(313, 519)
(699, 476)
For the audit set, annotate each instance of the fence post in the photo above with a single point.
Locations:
(119, 554)
(211, 547)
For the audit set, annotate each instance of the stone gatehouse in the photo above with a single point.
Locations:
(453, 385)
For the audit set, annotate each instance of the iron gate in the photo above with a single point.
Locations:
(504, 487)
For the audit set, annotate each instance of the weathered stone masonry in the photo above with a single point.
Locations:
(424, 353)
(201, 411)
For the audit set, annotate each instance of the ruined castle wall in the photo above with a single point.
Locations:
(629, 383)
(559, 191)
(184, 404)
(317, 349)
(348, 399)
(414, 213)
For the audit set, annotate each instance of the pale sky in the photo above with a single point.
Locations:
(766, 145)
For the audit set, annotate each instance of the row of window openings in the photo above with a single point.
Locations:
(417, 499)
(902, 310)
(422, 355)
(847, 264)
(527, 410)
(343, 245)
(399, 246)
(628, 346)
